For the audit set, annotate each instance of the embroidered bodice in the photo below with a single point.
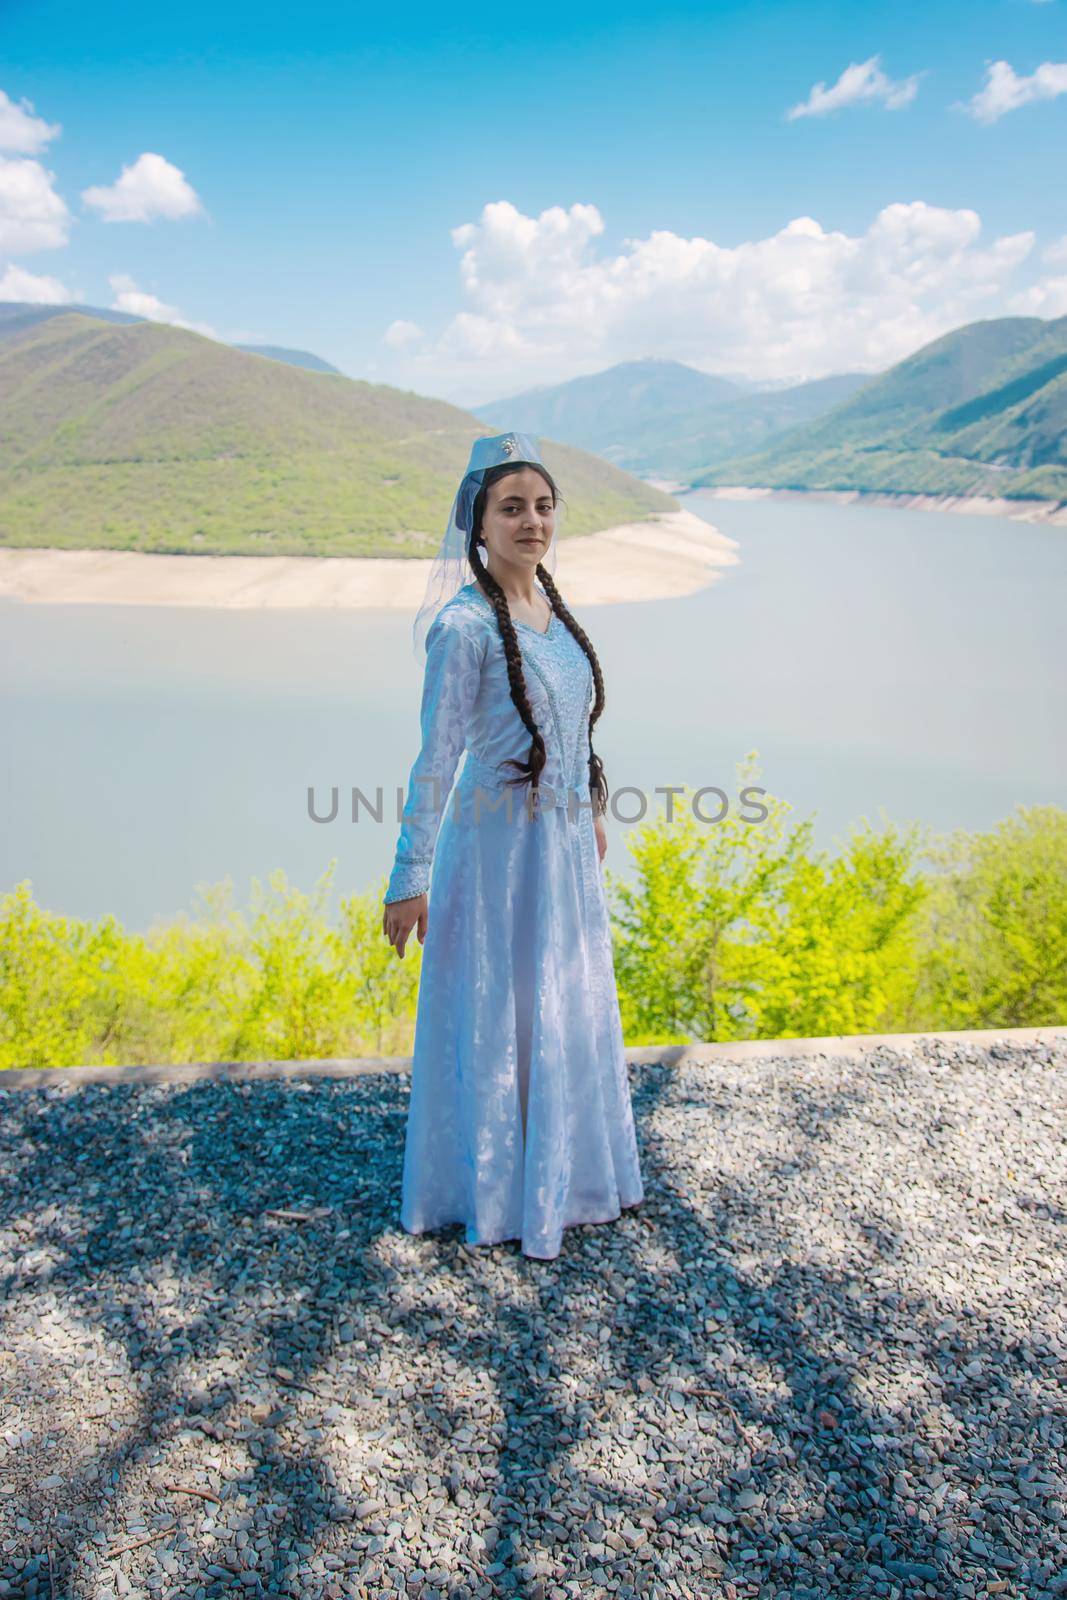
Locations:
(467, 706)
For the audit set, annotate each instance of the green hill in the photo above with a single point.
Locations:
(982, 411)
(142, 436)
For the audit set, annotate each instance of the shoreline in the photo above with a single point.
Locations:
(663, 557)
(1051, 511)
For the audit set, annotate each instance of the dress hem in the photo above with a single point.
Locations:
(508, 1238)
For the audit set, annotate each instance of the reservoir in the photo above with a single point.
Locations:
(881, 663)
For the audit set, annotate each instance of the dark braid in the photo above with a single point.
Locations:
(598, 785)
(529, 771)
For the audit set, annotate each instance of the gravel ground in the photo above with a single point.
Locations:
(825, 1356)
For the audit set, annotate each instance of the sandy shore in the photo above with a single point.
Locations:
(673, 553)
(1054, 511)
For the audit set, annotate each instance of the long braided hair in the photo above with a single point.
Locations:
(529, 771)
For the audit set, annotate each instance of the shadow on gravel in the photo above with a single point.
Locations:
(739, 1384)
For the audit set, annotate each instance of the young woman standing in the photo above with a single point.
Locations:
(520, 1121)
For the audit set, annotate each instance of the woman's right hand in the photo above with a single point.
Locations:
(400, 916)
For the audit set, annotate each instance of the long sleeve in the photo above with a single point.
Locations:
(449, 691)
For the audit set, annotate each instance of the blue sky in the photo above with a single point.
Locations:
(468, 201)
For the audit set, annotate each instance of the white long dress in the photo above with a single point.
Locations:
(520, 1122)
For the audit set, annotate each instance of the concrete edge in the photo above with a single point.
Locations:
(849, 1045)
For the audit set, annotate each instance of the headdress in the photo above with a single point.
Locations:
(451, 567)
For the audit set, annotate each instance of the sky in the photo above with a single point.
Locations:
(470, 201)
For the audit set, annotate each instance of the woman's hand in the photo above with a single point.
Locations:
(400, 916)
(601, 836)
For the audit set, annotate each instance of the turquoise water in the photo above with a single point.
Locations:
(879, 661)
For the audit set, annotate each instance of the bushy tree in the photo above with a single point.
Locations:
(995, 931)
(740, 929)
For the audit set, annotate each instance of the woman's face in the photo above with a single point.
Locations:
(519, 520)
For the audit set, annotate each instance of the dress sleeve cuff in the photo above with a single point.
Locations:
(408, 878)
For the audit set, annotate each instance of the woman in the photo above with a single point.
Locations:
(520, 1122)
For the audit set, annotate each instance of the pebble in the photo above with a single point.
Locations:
(824, 1357)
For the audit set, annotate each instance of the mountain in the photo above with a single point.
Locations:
(600, 411)
(662, 419)
(18, 314)
(292, 358)
(143, 436)
(980, 411)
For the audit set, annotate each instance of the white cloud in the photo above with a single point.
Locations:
(1056, 252)
(32, 215)
(1045, 298)
(151, 187)
(1004, 90)
(21, 129)
(401, 333)
(542, 305)
(33, 288)
(860, 82)
(139, 303)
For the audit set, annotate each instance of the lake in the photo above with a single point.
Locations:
(880, 662)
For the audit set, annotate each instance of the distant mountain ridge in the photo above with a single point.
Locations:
(119, 433)
(663, 419)
(605, 405)
(292, 358)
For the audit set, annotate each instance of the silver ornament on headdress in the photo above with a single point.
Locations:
(451, 567)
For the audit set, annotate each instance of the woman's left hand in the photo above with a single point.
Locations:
(601, 836)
